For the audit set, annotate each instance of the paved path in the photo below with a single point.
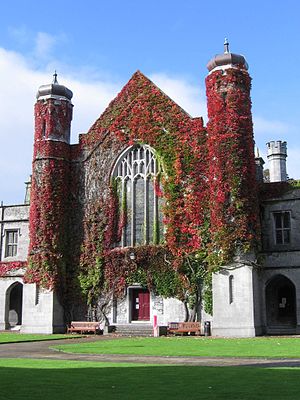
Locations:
(41, 350)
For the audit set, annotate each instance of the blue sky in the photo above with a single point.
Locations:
(97, 45)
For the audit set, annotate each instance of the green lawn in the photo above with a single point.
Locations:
(33, 379)
(18, 337)
(192, 346)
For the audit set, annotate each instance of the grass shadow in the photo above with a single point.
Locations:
(66, 380)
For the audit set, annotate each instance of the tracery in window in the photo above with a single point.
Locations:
(136, 171)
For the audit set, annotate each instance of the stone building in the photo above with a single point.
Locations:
(152, 213)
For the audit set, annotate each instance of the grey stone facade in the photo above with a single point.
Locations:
(23, 306)
(265, 298)
(281, 262)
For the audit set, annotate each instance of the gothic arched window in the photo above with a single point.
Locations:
(137, 173)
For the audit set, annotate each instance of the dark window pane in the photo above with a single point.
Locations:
(278, 220)
(128, 212)
(141, 153)
(161, 202)
(150, 220)
(119, 194)
(230, 289)
(286, 236)
(139, 211)
(286, 220)
(279, 237)
(142, 167)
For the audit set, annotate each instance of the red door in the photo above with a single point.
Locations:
(140, 305)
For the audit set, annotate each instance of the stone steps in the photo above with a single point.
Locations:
(134, 330)
(280, 330)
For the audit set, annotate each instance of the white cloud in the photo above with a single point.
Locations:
(191, 98)
(44, 44)
(90, 100)
(19, 83)
(39, 46)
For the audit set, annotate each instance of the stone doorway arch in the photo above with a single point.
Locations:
(281, 305)
(14, 305)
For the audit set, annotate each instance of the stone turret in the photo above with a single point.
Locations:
(49, 200)
(230, 144)
(277, 154)
(234, 218)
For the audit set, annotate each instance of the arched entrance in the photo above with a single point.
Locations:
(14, 300)
(281, 305)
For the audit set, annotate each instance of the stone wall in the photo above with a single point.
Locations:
(233, 302)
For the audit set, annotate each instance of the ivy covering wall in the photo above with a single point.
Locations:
(233, 190)
(207, 185)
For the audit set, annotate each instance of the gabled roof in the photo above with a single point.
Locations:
(139, 85)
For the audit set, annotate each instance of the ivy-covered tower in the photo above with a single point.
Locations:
(49, 195)
(232, 191)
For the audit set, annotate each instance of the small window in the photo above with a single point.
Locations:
(11, 243)
(44, 130)
(230, 289)
(282, 226)
(37, 294)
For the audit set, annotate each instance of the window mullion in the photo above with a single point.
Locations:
(133, 212)
(123, 193)
(146, 211)
(155, 216)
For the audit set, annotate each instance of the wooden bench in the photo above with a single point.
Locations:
(184, 328)
(83, 326)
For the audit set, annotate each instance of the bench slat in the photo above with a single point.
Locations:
(83, 326)
(184, 327)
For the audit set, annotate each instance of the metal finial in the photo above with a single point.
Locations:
(55, 78)
(226, 46)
